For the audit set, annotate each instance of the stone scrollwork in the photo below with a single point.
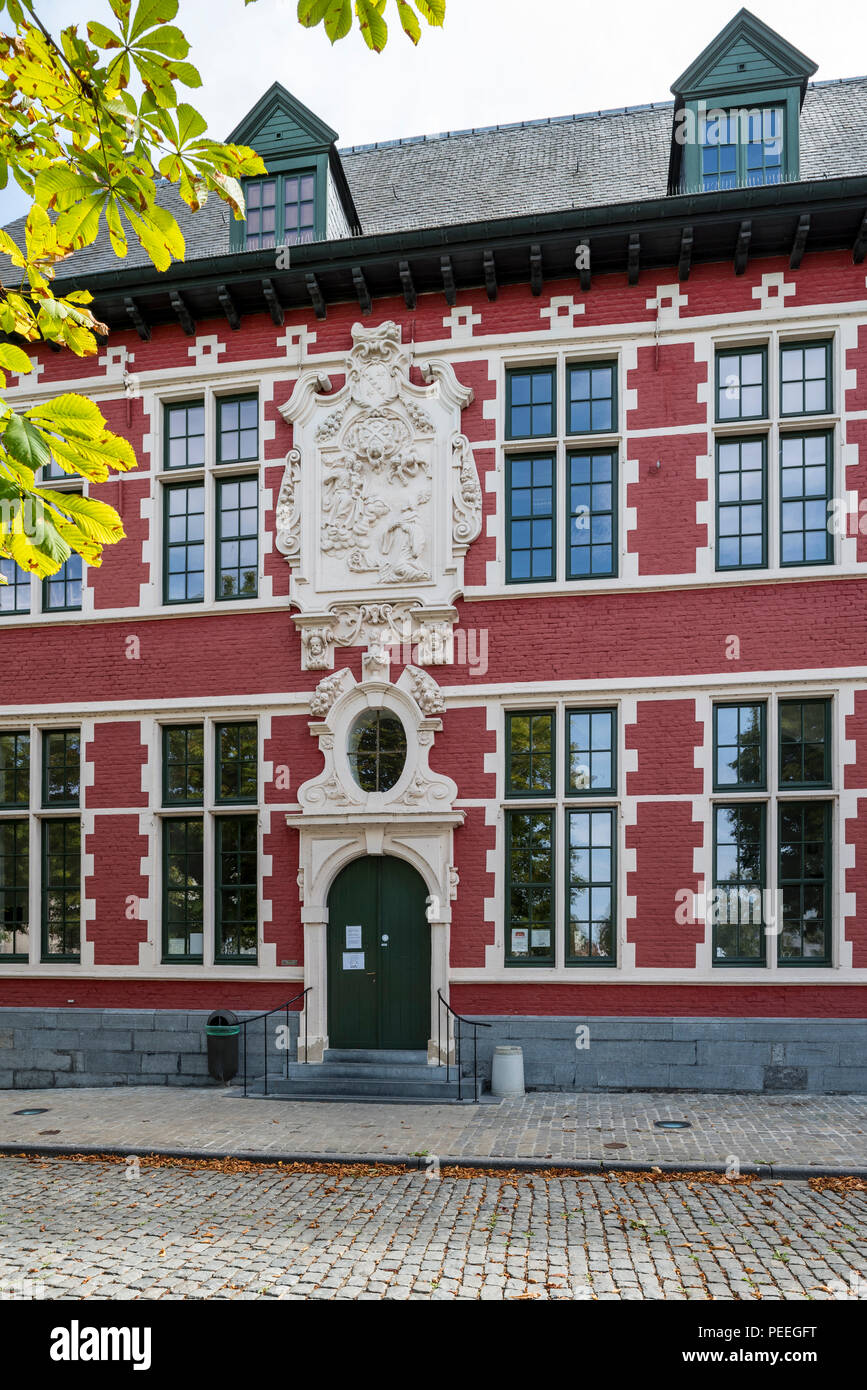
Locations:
(466, 495)
(288, 513)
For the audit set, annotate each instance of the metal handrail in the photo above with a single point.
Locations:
(459, 1020)
(278, 1008)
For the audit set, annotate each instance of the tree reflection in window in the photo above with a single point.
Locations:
(377, 750)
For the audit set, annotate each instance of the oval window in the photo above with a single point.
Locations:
(377, 750)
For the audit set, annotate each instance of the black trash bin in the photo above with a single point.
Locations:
(221, 1030)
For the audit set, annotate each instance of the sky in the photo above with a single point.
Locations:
(494, 62)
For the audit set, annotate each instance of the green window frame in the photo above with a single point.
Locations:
(741, 384)
(806, 378)
(183, 764)
(530, 851)
(591, 885)
(739, 873)
(61, 592)
(740, 745)
(531, 403)
(531, 518)
(184, 434)
(14, 768)
(14, 890)
(16, 593)
(281, 210)
(591, 398)
(805, 743)
(238, 429)
(591, 751)
(183, 890)
(806, 484)
(236, 863)
(237, 547)
(237, 751)
(804, 881)
(61, 888)
(531, 745)
(742, 503)
(184, 543)
(731, 157)
(61, 767)
(591, 544)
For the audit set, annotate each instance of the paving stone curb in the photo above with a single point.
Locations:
(418, 1162)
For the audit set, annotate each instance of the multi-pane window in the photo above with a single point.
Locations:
(237, 762)
(744, 148)
(281, 210)
(14, 769)
(184, 441)
(237, 537)
(590, 886)
(592, 403)
(805, 743)
(14, 890)
(530, 403)
(530, 518)
(61, 767)
(592, 514)
(237, 429)
(741, 384)
(15, 593)
(236, 888)
(739, 746)
(741, 479)
(805, 378)
(591, 751)
(183, 765)
(61, 888)
(805, 490)
(184, 529)
(299, 203)
(61, 592)
(804, 880)
(183, 889)
(739, 882)
(377, 750)
(530, 887)
(261, 224)
(530, 743)
(584, 917)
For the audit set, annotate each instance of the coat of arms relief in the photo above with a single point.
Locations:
(380, 500)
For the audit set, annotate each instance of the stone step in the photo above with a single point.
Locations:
(388, 1071)
(324, 1087)
(362, 1056)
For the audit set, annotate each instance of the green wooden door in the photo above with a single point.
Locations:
(378, 956)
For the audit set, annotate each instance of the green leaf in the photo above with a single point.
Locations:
(168, 40)
(373, 27)
(190, 123)
(150, 13)
(409, 20)
(13, 359)
(434, 11)
(69, 412)
(25, 442)
(96, 520)
(79, 225)
(102, 36)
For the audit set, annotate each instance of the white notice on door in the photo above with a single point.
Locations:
(353, 960)
(353, 938)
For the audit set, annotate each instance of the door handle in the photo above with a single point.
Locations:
(371, 974)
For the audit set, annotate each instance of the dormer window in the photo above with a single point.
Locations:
(742, 148)
(280, 211)
(737, 110)
(304, 196)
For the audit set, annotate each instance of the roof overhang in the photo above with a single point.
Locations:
(733, 225)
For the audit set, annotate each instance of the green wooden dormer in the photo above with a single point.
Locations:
(737, 108)
(304, 196)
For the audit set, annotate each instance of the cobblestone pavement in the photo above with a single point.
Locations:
(793, 1130)
(125, 1231)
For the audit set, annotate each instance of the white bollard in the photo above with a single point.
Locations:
(507, 1072)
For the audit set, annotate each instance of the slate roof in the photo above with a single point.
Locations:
(591, 160)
